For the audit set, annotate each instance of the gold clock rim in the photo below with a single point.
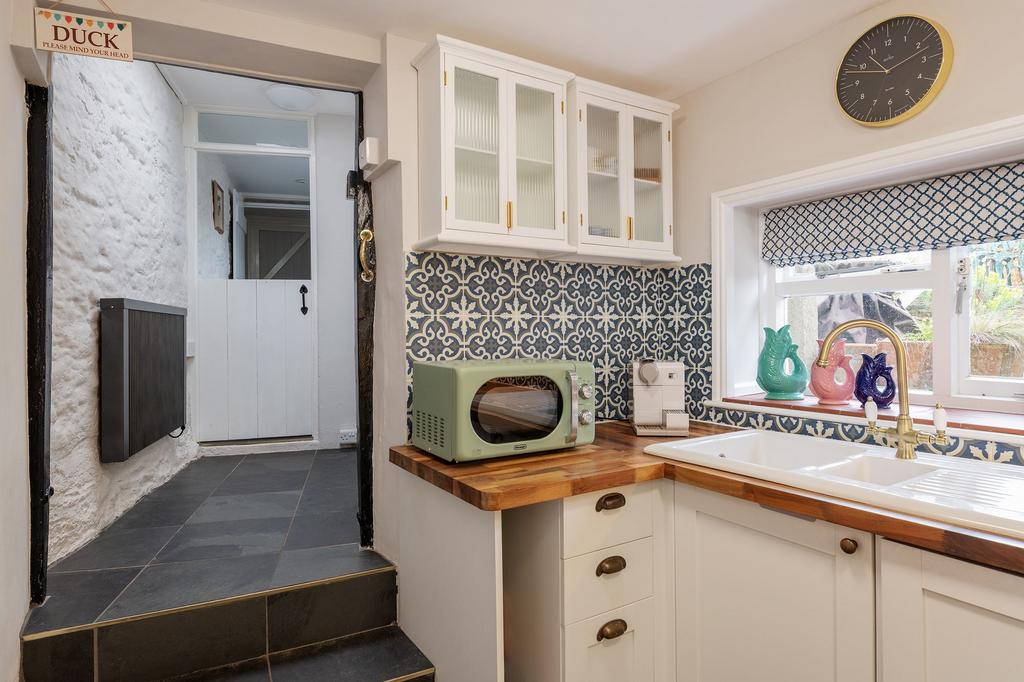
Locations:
(933, 91)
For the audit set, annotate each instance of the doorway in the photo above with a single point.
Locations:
(273, 286)
(138, 172)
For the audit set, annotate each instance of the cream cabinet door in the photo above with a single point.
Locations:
(944, 620)
(537, 143)
(769, 597)
(615, 646)
(476, 146)
(650, 184)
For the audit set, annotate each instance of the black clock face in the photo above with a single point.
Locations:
(891, 69)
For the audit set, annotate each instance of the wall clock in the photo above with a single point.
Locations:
(894, 71)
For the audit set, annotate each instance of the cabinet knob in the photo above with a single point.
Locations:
(610, 501)
(848, 545)
(611, 565)
(612, 629)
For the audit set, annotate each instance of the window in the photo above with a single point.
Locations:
(960, 312)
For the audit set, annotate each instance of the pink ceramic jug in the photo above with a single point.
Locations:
(823, 379)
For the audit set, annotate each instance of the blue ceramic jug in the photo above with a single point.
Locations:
(873, 370)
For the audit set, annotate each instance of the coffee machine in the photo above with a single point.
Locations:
(659, 398)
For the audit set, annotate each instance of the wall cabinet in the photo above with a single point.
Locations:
(620, 177)
(492, 151)
(763, 595)
(944, 620)
(587, 587)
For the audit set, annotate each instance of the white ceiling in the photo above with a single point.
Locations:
(198, 88)
(661, 47)
(267, 174)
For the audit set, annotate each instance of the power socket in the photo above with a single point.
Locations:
(348, 436)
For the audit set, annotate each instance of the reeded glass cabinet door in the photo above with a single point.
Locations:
(538, 173)
(476, 183)
(605, 205)
(648, 223)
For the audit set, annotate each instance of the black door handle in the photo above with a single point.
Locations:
(303, 290)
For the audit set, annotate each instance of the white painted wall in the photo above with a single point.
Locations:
(390, 111)
(14, 510)
(119, 231)
(780, 115)
(214, 251)
(335, 286)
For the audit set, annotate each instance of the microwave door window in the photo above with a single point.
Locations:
(512, 409)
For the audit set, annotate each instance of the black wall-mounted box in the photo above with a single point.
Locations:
(142, 375)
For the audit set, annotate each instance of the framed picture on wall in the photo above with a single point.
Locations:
(218, 207)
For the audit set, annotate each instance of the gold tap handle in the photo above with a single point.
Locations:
(365, 237)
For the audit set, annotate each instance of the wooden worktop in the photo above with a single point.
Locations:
(617, 458)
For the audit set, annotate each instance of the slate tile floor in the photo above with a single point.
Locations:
(222, 527)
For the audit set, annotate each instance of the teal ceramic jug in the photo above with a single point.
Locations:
(772, 374)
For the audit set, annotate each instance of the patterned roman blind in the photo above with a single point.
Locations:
(971, 207)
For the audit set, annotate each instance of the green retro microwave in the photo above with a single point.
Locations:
(477, 409)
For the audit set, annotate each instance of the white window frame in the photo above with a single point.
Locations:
(742, 284)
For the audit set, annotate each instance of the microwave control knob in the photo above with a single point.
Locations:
(586, 391)
(586, 417)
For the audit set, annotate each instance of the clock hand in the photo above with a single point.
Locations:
(909, 58)
(859, 71)
(879, 65)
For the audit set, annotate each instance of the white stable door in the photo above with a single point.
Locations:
(769, 597)
(944, 620)
(254, 359)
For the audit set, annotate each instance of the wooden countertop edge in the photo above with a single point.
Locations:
(988, 549)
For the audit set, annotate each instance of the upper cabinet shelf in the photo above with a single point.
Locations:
(508, 166)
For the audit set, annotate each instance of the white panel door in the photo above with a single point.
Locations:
(762, 595)
(212, 408)
(255, 359)
(241, 358)
(298, 359)
(944, 620)
(284, 359)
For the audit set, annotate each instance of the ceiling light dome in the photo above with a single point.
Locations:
(291, 97)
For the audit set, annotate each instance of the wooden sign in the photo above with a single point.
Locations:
(58, 31)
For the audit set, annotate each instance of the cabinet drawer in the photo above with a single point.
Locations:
(624, 514)
(608, 578)
(625, 652)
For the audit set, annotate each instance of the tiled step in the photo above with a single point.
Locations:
(174, 643)
(382, 655)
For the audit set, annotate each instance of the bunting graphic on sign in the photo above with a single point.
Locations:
(71, 33)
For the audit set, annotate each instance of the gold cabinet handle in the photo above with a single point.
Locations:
(365, 237)
(508, 216)
(629, 227)
(848, 545)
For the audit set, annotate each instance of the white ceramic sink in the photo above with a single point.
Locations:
(971, 493)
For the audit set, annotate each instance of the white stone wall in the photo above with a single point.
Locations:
(119, 222)
(213, 251)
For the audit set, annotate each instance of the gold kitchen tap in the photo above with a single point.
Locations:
(903, 436)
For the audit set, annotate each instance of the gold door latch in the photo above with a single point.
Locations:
(508, 216)
(365, 237)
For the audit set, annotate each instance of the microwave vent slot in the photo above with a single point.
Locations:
(431, 428)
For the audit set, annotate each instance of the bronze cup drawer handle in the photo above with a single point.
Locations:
(612, 564)
(612, 629)
(611, 501)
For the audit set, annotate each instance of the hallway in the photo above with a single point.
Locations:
(223, 527)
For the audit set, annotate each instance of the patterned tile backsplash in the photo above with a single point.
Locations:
(485, 307)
